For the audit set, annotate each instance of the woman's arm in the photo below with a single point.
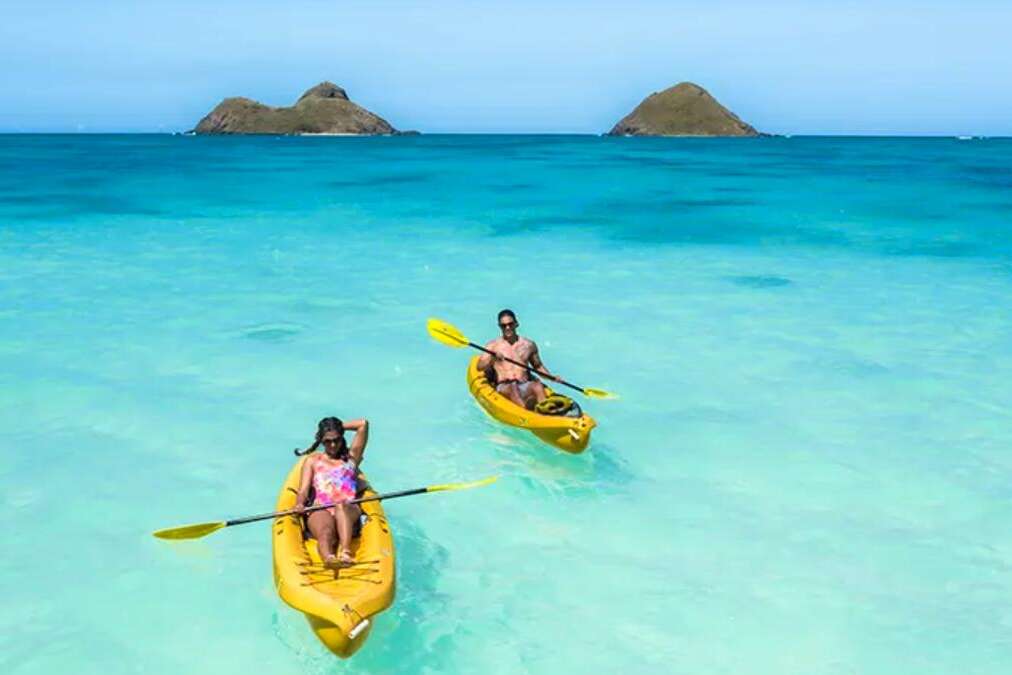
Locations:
(304, 483)
(361, 429)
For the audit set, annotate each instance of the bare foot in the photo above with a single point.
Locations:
(331, 562)
(346, 557)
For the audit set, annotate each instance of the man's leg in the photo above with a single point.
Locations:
(512, 392)
(537, 392)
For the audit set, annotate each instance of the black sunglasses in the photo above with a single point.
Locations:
(508, 324)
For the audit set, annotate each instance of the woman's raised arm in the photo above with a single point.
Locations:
(361, 429)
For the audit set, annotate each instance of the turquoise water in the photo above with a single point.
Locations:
(809, 470)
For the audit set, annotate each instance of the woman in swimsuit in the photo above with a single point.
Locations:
(333, 475)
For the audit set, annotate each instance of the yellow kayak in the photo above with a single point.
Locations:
(566, 433)
(339, 604)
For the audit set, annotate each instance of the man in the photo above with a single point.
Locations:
(512, 381)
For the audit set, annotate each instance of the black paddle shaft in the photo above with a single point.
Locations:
(524, 365)
(320, 507)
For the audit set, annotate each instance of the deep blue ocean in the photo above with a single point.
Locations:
(809, 469)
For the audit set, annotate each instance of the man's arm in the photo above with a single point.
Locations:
(485, 360)
(538, 365)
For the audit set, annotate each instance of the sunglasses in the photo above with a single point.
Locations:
(508, 324)
(331, 441)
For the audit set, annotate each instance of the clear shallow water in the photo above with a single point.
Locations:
(809, 470)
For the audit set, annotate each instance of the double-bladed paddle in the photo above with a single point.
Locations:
(203, 529)
(449, 335)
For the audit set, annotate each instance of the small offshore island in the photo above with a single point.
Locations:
(685, 109)
(324, 109)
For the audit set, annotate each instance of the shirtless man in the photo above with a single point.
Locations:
(512, 381)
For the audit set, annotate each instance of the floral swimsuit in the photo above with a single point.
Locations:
(334, 483)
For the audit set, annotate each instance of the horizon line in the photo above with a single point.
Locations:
(588, 134)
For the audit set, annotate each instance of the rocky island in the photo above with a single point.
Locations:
(683, 110)
(324, 109)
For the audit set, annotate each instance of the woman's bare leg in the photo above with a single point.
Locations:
(346, 515)
(323, 527)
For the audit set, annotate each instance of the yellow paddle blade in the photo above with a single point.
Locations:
(598, 393)
(190, 531)
(446, 333)
(462, 486)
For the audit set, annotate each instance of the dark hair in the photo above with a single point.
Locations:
(327, 424)
(506, 312)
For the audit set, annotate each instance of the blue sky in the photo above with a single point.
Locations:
(786, 67)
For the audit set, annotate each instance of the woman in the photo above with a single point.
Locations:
(333, 475)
